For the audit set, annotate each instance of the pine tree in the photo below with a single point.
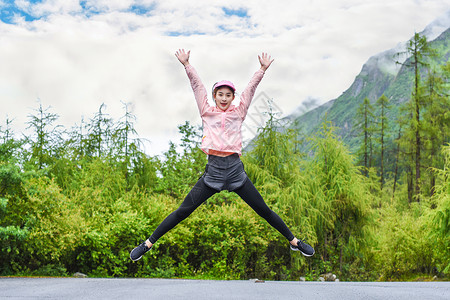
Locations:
(125, 142)
(364, 122)
(47, 137)
(77, 143)
(99, 133)
(383, 104)
(397, 156)
(419, 50)
(8, 145)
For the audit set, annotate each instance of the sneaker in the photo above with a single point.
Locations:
(304, 248)
(140, 250)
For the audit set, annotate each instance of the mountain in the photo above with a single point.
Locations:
(379, 75)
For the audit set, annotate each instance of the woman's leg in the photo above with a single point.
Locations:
(199, 194)
(253, 198)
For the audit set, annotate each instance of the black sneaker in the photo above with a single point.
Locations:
(140, 250)
(304, 248)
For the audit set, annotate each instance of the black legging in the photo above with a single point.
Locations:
(201, 192)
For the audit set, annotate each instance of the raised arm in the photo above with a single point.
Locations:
(247, 95)
(197, 86)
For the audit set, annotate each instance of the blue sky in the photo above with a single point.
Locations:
(75, 55)
(240, 12)
(13, 9)
(9, 11)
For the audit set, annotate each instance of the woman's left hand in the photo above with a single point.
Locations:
(265, 61)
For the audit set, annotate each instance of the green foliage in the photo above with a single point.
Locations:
(438, 219)
(338, 210)
(404, 232)
(402, 242)
(12, 233)
(12, 237)
(53, 226)
(181, 170)
(436, 122)
(276, 151)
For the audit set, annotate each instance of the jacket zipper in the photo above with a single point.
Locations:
(223, 130)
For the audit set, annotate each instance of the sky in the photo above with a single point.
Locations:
(73, 56)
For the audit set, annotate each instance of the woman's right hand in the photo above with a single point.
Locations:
(183, 57)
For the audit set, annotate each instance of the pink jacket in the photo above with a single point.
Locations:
(222, 129)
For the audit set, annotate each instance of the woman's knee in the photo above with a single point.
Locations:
(182, 213)
(266, 212)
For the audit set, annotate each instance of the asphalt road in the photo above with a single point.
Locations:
(130, 289)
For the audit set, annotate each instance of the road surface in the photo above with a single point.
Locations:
(130, 289)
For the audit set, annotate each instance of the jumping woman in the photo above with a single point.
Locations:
(222, 142)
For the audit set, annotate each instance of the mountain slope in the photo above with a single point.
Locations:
(379, 75)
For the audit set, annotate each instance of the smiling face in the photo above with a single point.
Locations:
(223, 97)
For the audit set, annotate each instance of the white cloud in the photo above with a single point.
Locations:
(108, 5)
(75, 61)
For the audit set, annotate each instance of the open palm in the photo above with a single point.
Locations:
(265, 60)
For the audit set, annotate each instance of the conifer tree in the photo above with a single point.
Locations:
(406, 147)
(397, 155)
(383, 105)
(47, 136)
(77, 141)
(125, 144)
(419, 50)
(8, 145)
(99, 133)
(364, 119)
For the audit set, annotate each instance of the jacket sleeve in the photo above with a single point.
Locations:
(200, 94)
(248, 93)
